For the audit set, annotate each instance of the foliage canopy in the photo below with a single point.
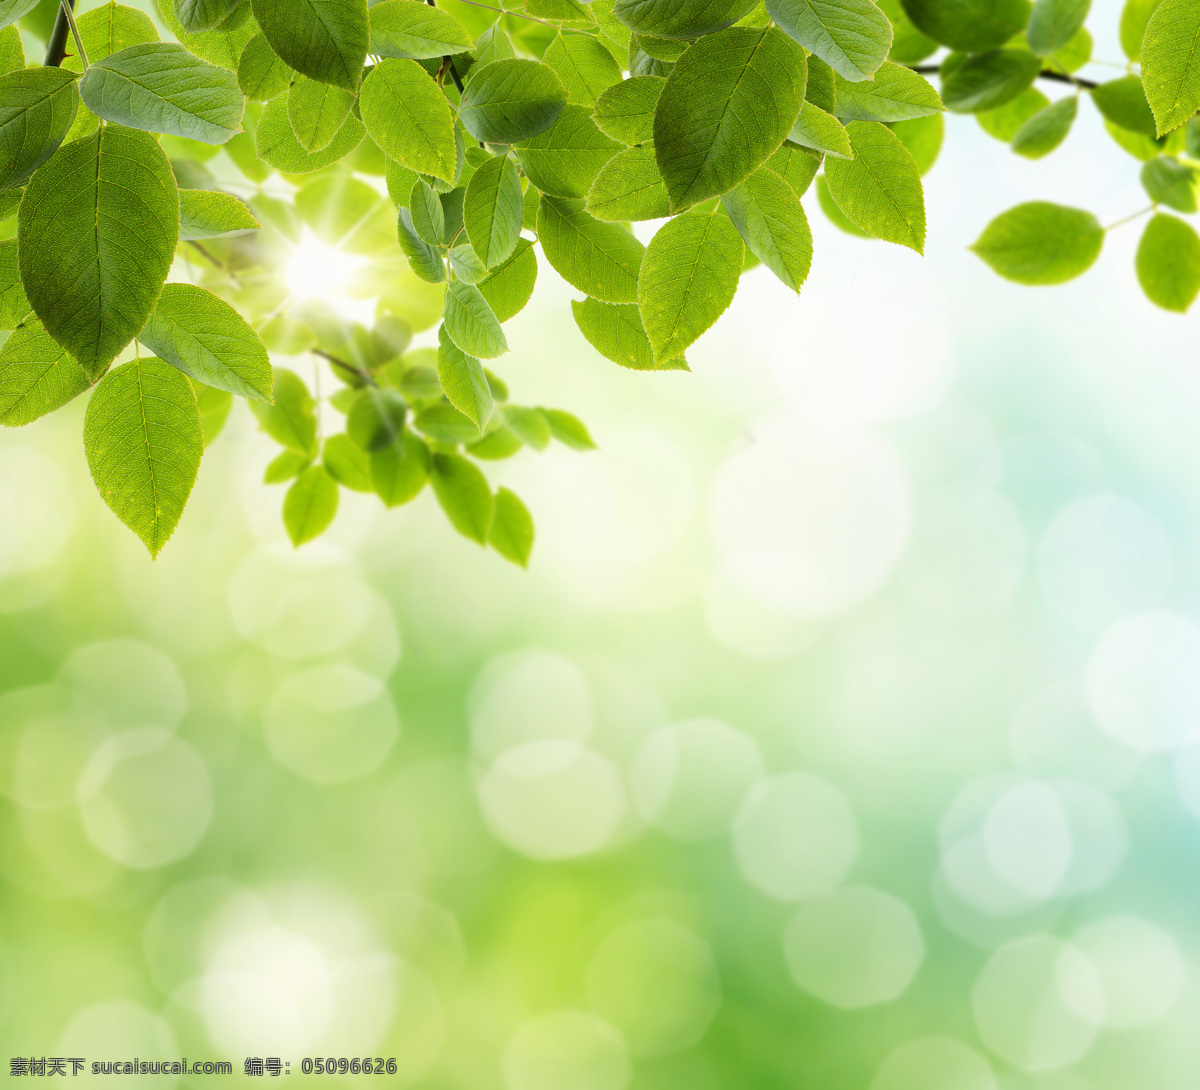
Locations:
(557, 121)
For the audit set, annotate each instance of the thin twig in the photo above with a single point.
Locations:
(514, 14)
(56, 48)
(1045, 73)
(216, 261)
(358, 372)
(1128, 219)
(65, 8)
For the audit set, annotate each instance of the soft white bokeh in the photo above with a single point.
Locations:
(934, 1063)
(1143, 681)
(855, 948)
(689, 779)
(568, 1050)
(133, 684)
(1039, 1003)
(808, 523)
(37, 511)
(553, 799)
(795, 836)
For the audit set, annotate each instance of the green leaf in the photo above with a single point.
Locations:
(428, 216)
(510, 285)
(108, 29)
(291, 419)
(585, 67)
(277, 145)
(1053, 23)
(796, 166)
(851, 36)
(973, 26)
(529, 425)
(399, 473)
(909, 45)
(402, 28)
(463, 382)
(511, 532)
(12, 53)
(1168, 263)
(822, 132)
(1170, 182)
(36, 375)
(285, 466)
(376, 419)
(1123, 102)
(206, 214)
(600, 259)
(261, 75)
(500, 442)
(1048, 128)
(629, 187)
(615, 331)
(492, 209)
(443, 423)
(923, 137)
(209, 341)
(508, 101)
(37, 109)
(1005, 122)
(214, 406)
(408, 116)
(568, 429)
(493, 45)
(895, 94)
(768, 216)
(14, 307)
(1171, 63)
(97, 230)
(143, 442)
(423, 259)
(12, 10)
(989, 80)
(197, 15)
(1041, 243)
(879, 190)
(1135, 15)
(565, 159)
(347, 463)
(727, 107)
(470, 322)
(310, 505)
(316, 112)
(161, 87)
(464, 494)
(217, 46)
(326, 40)
(688, 279)
(680, 18)
(626, 110)
(833, 213)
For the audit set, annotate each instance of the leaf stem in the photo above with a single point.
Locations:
(1045, 73)
(65, 8)
(514, 14)
(358, 372)
(1129, 219)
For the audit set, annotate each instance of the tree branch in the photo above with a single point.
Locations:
(1045, 73)
(357, 372)
(57, 47)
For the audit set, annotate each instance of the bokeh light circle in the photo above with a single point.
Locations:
(567, 1050)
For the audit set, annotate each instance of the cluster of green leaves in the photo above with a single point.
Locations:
(560, 122)
(996, 52)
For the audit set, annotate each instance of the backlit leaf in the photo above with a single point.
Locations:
(1041, 243)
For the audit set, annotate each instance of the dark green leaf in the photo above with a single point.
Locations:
(37, 109)
(680, 18)
(851, 36)
(508, 101)
(600, 259)
(197, 15)
(727, 107)
(1043, 132)
(989, 80)
(326, 40)
(98, 229)
(1053, 23)
(973, 26)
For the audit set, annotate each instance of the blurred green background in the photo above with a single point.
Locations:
(841, 734)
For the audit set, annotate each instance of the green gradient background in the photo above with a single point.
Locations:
(922, 537)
